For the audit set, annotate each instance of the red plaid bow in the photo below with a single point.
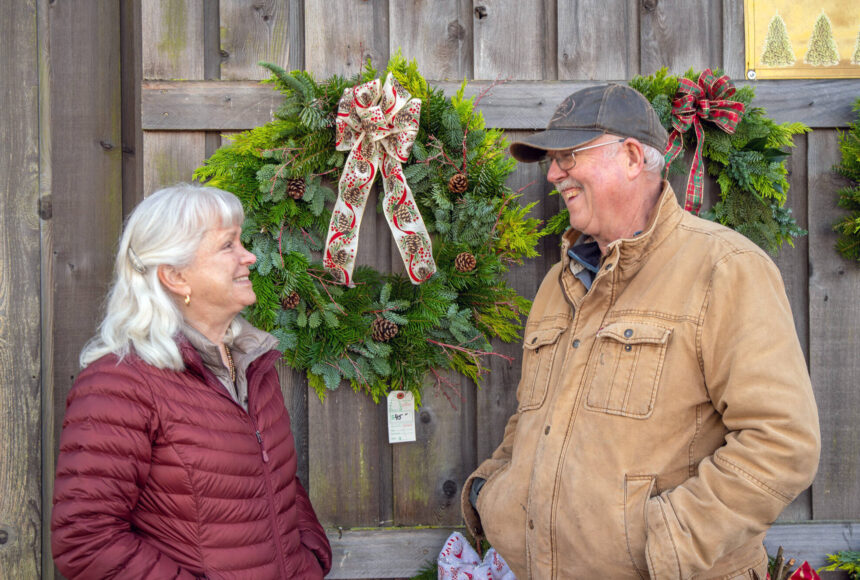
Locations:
(707, 99)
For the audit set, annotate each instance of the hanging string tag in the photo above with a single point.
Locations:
(401, 417)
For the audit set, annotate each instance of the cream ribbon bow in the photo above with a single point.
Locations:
(378, 129)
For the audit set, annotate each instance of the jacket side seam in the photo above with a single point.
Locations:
(753, 479)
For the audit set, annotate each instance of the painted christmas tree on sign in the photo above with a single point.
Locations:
(822, 49)
(777, 45)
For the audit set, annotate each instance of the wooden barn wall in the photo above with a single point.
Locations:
(106, 102)
(356, 479)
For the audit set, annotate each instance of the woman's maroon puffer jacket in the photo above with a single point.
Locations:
(162, 475)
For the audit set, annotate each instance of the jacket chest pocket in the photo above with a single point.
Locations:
(539, 350)
(625, 368)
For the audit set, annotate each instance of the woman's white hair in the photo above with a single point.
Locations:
(165, 228)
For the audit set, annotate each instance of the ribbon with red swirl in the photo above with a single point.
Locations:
(378, 128)
(707, 99)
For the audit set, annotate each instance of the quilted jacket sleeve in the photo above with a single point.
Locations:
(757, 380)
(104, 460)
(310, 530)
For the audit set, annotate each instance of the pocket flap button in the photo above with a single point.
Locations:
(628, 333)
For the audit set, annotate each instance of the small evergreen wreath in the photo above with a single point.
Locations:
(384, 333)
(848, 243)
(749, 165)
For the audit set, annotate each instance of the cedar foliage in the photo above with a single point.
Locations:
(445, 323)
(848, 243)
(749, 165)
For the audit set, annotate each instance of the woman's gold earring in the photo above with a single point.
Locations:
(187, 299)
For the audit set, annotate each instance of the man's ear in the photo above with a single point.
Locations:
(634, 157)
(173, 279)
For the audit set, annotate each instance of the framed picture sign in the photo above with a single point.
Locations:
(792, 39)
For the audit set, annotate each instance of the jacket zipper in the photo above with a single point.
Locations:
(269, 491)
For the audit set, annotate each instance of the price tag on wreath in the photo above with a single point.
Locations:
(401, 417)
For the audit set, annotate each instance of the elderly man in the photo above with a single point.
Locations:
(665, 415)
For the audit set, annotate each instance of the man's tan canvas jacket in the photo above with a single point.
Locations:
(665, 418)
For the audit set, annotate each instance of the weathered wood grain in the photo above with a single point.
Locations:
(834, 319)
(794, 265)
(294, 386)
(598, 39)
(734, 46)
(349, 460)
(509, 41)
(436, 33)
(211, 105)
(678, 34)
(401, 553)
(812, 541)
(131, 45)
(384, 553)
(173, 30)
(251, 31)
(429, 472)
(20, 336)
(340, 41)
(170, 157)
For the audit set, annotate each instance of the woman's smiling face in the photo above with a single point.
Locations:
(218, 277)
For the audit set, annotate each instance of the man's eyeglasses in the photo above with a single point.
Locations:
(566, 160)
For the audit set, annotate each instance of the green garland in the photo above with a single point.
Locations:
(848, 244)
(749, 165)
(324, 327)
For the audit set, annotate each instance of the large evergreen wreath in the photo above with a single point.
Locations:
(384, 333)
(748, 164)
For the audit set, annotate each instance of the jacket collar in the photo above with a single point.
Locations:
(629, 252)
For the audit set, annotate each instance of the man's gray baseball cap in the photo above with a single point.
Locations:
(590, 113)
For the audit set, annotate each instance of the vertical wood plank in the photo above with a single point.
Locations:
(171, 157)
(598, 39)
(834, 317)
(429, 472)
(437, 33)
(496, 396)
(173, 45)
(20, 337)
(294, 387)
(132, 135)
(734, 39)
(348, 452)
(794, 265)
(341, 40)
(509, 41)
(255, 30)
(678, 34)
(350, 460)
(46, 293)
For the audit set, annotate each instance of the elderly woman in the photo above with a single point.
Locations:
(176, 457)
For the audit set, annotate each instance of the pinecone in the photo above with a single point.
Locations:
(353, 196)
(412, 243)
(402, 213)
(340, 257)
(383, 330)
(458, 183)
(296, 188)
(362, 166)
(290, 301)
(465, 262)
(343, 223)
